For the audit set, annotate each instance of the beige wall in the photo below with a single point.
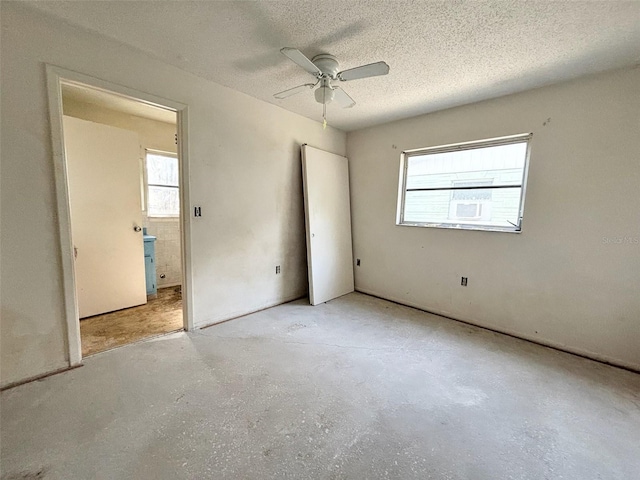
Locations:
(564, 280)
(154, 135)
(244, 168)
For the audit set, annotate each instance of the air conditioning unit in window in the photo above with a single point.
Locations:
(468, 210)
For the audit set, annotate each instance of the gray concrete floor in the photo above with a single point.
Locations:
(353, 389)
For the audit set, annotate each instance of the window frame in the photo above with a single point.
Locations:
(151, 151)
(456, 147)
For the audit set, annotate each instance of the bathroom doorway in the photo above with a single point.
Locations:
(123, 174)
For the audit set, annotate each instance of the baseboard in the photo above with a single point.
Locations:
(261, 308)
(38, 377)
(65, 369)
(511, 333)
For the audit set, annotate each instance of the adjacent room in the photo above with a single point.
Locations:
(123, 176)
(320, 239)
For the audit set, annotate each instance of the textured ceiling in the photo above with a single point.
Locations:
(441, 54)
(117, 103)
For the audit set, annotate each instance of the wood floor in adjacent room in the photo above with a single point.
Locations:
(110, 330)
(356, 388)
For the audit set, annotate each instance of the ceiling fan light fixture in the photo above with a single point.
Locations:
(324, 94)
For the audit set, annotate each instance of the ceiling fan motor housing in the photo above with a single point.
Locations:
(328, 65)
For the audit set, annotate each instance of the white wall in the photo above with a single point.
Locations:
(245, 173)
(153, 135)
(562, 281)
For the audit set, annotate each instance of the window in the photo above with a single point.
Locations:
(474, 185)
(163, 194)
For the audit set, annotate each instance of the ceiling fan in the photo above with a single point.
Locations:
(325, 69)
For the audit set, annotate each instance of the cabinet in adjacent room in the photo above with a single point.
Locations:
(150, 264)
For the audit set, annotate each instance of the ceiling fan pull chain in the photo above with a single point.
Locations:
(324, 110)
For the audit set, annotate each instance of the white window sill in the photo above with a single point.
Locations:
(484, 228)
(164, 219)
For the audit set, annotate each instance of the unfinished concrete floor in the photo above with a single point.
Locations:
(357, 388)
(159, 315)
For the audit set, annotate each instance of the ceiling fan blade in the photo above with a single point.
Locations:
(341, 97)
(298, 57)
(371, 70)
(294, 90)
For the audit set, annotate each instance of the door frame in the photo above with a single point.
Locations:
(56, 76)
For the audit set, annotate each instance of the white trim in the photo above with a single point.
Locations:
(175, 219)
(161, 152)
(402, 182)
(471, 145)
(72, 316)
(55, 76)
(185, 217)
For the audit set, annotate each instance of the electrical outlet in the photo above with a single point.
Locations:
(197, 211)
(463, 282)
(357, 262)
(277, 269)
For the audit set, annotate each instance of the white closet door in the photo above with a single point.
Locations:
(104, 190)
(328, 224)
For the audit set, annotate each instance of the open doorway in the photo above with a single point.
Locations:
(123, 176)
